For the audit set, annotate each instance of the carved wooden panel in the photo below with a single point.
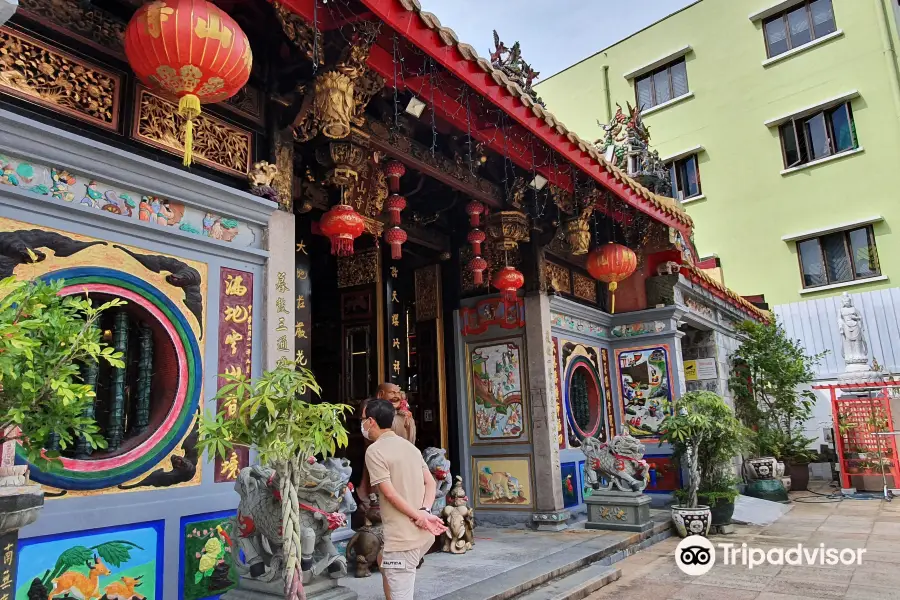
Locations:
(57, 80)
(82, 21)
(248, 103)
(558, 277)
(217, 144)
(428, 296)
(360, 268)
(584, 287)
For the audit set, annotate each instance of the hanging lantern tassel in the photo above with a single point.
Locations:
(613, 286)
(189, 108)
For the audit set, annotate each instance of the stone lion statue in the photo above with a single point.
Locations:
(620, 462)
(325, 499)
(436, 459)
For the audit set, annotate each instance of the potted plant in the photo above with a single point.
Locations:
(286, 431)
(770, 382)
(705, 437)
(44, 340)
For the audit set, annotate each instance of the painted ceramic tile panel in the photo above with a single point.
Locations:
(503, 482)
(569, 476)
(497, 390)
(115, 562)
(644, 374)
(207, 567)
(65, 186)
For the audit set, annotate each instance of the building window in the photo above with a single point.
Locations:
(813, 137)
(665, 83)
(799, 25)
(838, 257)
(685, 176)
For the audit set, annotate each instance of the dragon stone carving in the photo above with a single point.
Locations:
(620, 463)
(626, 144)
(325, 499)
(436, 459)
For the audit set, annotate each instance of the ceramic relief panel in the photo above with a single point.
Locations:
(206, 570)
(503, 482)
(496, 391)
(645, 384)
(569, 476)
(114, 562)
(492, 312)
(579, 326)
(66, 186)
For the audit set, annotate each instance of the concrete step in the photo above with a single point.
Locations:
(575, 586)
(596, 552)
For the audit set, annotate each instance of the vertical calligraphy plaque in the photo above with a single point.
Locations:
(235, 354)
(9, 553)
(607, 390)
(302, 306)
(395, 316)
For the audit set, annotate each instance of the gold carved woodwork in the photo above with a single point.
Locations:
(262, 174)
(427, 284)
(563, 200)
(345, 159)
(361, 268)
(365, 88)
(405, 146)
(373, 227)
(83, 21)
(56, 80)
(584, 287)
(558, 277)
(516, 194)
(333, 104)
(578, 232)
(247, 102)
(308, 39)
(283, 149)
(507, 228)
(217, 144)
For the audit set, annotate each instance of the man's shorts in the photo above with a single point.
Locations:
(399, 570)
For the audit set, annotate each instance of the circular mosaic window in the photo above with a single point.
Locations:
(584, 407)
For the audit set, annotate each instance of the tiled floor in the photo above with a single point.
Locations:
(870, 524)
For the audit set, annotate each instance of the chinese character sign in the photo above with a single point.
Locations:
(235, 354)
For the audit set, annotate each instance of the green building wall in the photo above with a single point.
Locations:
(748, 204)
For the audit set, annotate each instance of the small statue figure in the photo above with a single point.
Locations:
(460, 520)
(261, 177)
(436, 459)
(670, 267)
(621, 463)
(366, 544)
(854, 347)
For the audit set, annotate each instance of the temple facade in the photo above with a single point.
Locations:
(380, 204)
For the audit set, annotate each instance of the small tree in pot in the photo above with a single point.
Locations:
(45, 338)
(271, 415)
(705, 436)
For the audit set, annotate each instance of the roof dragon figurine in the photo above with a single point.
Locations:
(626, 144)
(509, 61)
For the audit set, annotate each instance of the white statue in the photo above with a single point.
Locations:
(854, 348)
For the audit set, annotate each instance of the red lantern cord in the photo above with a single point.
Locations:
(475, 209)
(478, 266)
(342, 225)
(396, 238)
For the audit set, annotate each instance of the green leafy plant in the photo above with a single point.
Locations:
(706, 436)
(768, 380)
(271, 415)
(44, 338)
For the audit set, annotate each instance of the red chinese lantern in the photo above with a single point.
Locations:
(395, 237)
(342, 225)
(478, 266)
(475, 209)
(476, 237)
(508, 280)
(394, 170)
(190, 51)
(612, 263)
(394, 205)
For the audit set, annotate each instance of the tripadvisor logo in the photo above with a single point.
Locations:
(696, 555)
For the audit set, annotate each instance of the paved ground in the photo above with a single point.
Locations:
(871, 524)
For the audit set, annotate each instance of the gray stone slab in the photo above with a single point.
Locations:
(619, 511)
(755, 511)
(576, 586)
(320, 589)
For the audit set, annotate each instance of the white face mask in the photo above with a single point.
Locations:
(363, 430)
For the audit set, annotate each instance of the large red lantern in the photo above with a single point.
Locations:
(612, 263)
(508, 280)
(342, 225)
(190, 51)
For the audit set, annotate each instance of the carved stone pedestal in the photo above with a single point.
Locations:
(550, 521)
(322, 588)
(19, 506)
(618, 511)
